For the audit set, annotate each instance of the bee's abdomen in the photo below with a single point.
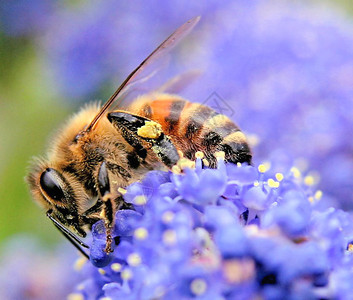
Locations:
(194, 127)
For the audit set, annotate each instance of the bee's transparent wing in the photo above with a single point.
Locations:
(150, 85)
(179, 82)
(142, 73)
(147, 80)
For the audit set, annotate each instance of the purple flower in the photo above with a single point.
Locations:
(292, 214)
(97, 255)
(192, 186)
(231, 242)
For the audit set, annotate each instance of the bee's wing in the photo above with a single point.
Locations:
(134, 77)
(146, 86)
(179, 82)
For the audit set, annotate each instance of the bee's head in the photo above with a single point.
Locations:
(52, 190)
(54, 181)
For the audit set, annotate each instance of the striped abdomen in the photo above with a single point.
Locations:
(194, 127)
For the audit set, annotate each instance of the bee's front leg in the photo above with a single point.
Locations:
(108, 209)
(108, 213)
(138, 131)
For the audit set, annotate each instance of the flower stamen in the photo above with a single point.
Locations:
(75, 296)
(198, 286)
(140, 200)
(134, 259)
(169, 237)
(116, 267)
(279, 177)
(167, 217)
(126, 274)
(141, 233)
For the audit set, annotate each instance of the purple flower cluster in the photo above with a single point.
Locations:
(225, 233)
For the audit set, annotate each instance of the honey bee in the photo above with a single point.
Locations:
(103, 149)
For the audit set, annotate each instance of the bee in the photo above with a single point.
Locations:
(102, 149)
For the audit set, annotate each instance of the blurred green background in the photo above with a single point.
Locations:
(30, 110)
(29, 113)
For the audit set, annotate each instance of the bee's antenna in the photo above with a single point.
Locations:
(73, 239)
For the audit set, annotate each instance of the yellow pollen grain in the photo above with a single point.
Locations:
(184, 163)
(262, 168)
(279, 176)
(75, 296)
(295, 171)
(141, 233)
(273, 184)
(151, 129)
(79, 263)
(140, 200)
(350, 247)
(238, 164)
(309, 180)
(167, 217)
(126, 274)
(311, 199)
(176, 169)
(266, 166)
(198, 286)
(116, 267)
(169, 237)
(122, 191)
(205, 162)
(101, 271)
(220, 154)
(318, 195)
(256, 183)
(134, 259)
(199, 154)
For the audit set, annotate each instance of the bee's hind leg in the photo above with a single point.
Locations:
(139, 131)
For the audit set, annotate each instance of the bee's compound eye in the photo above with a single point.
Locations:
(50, 184)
